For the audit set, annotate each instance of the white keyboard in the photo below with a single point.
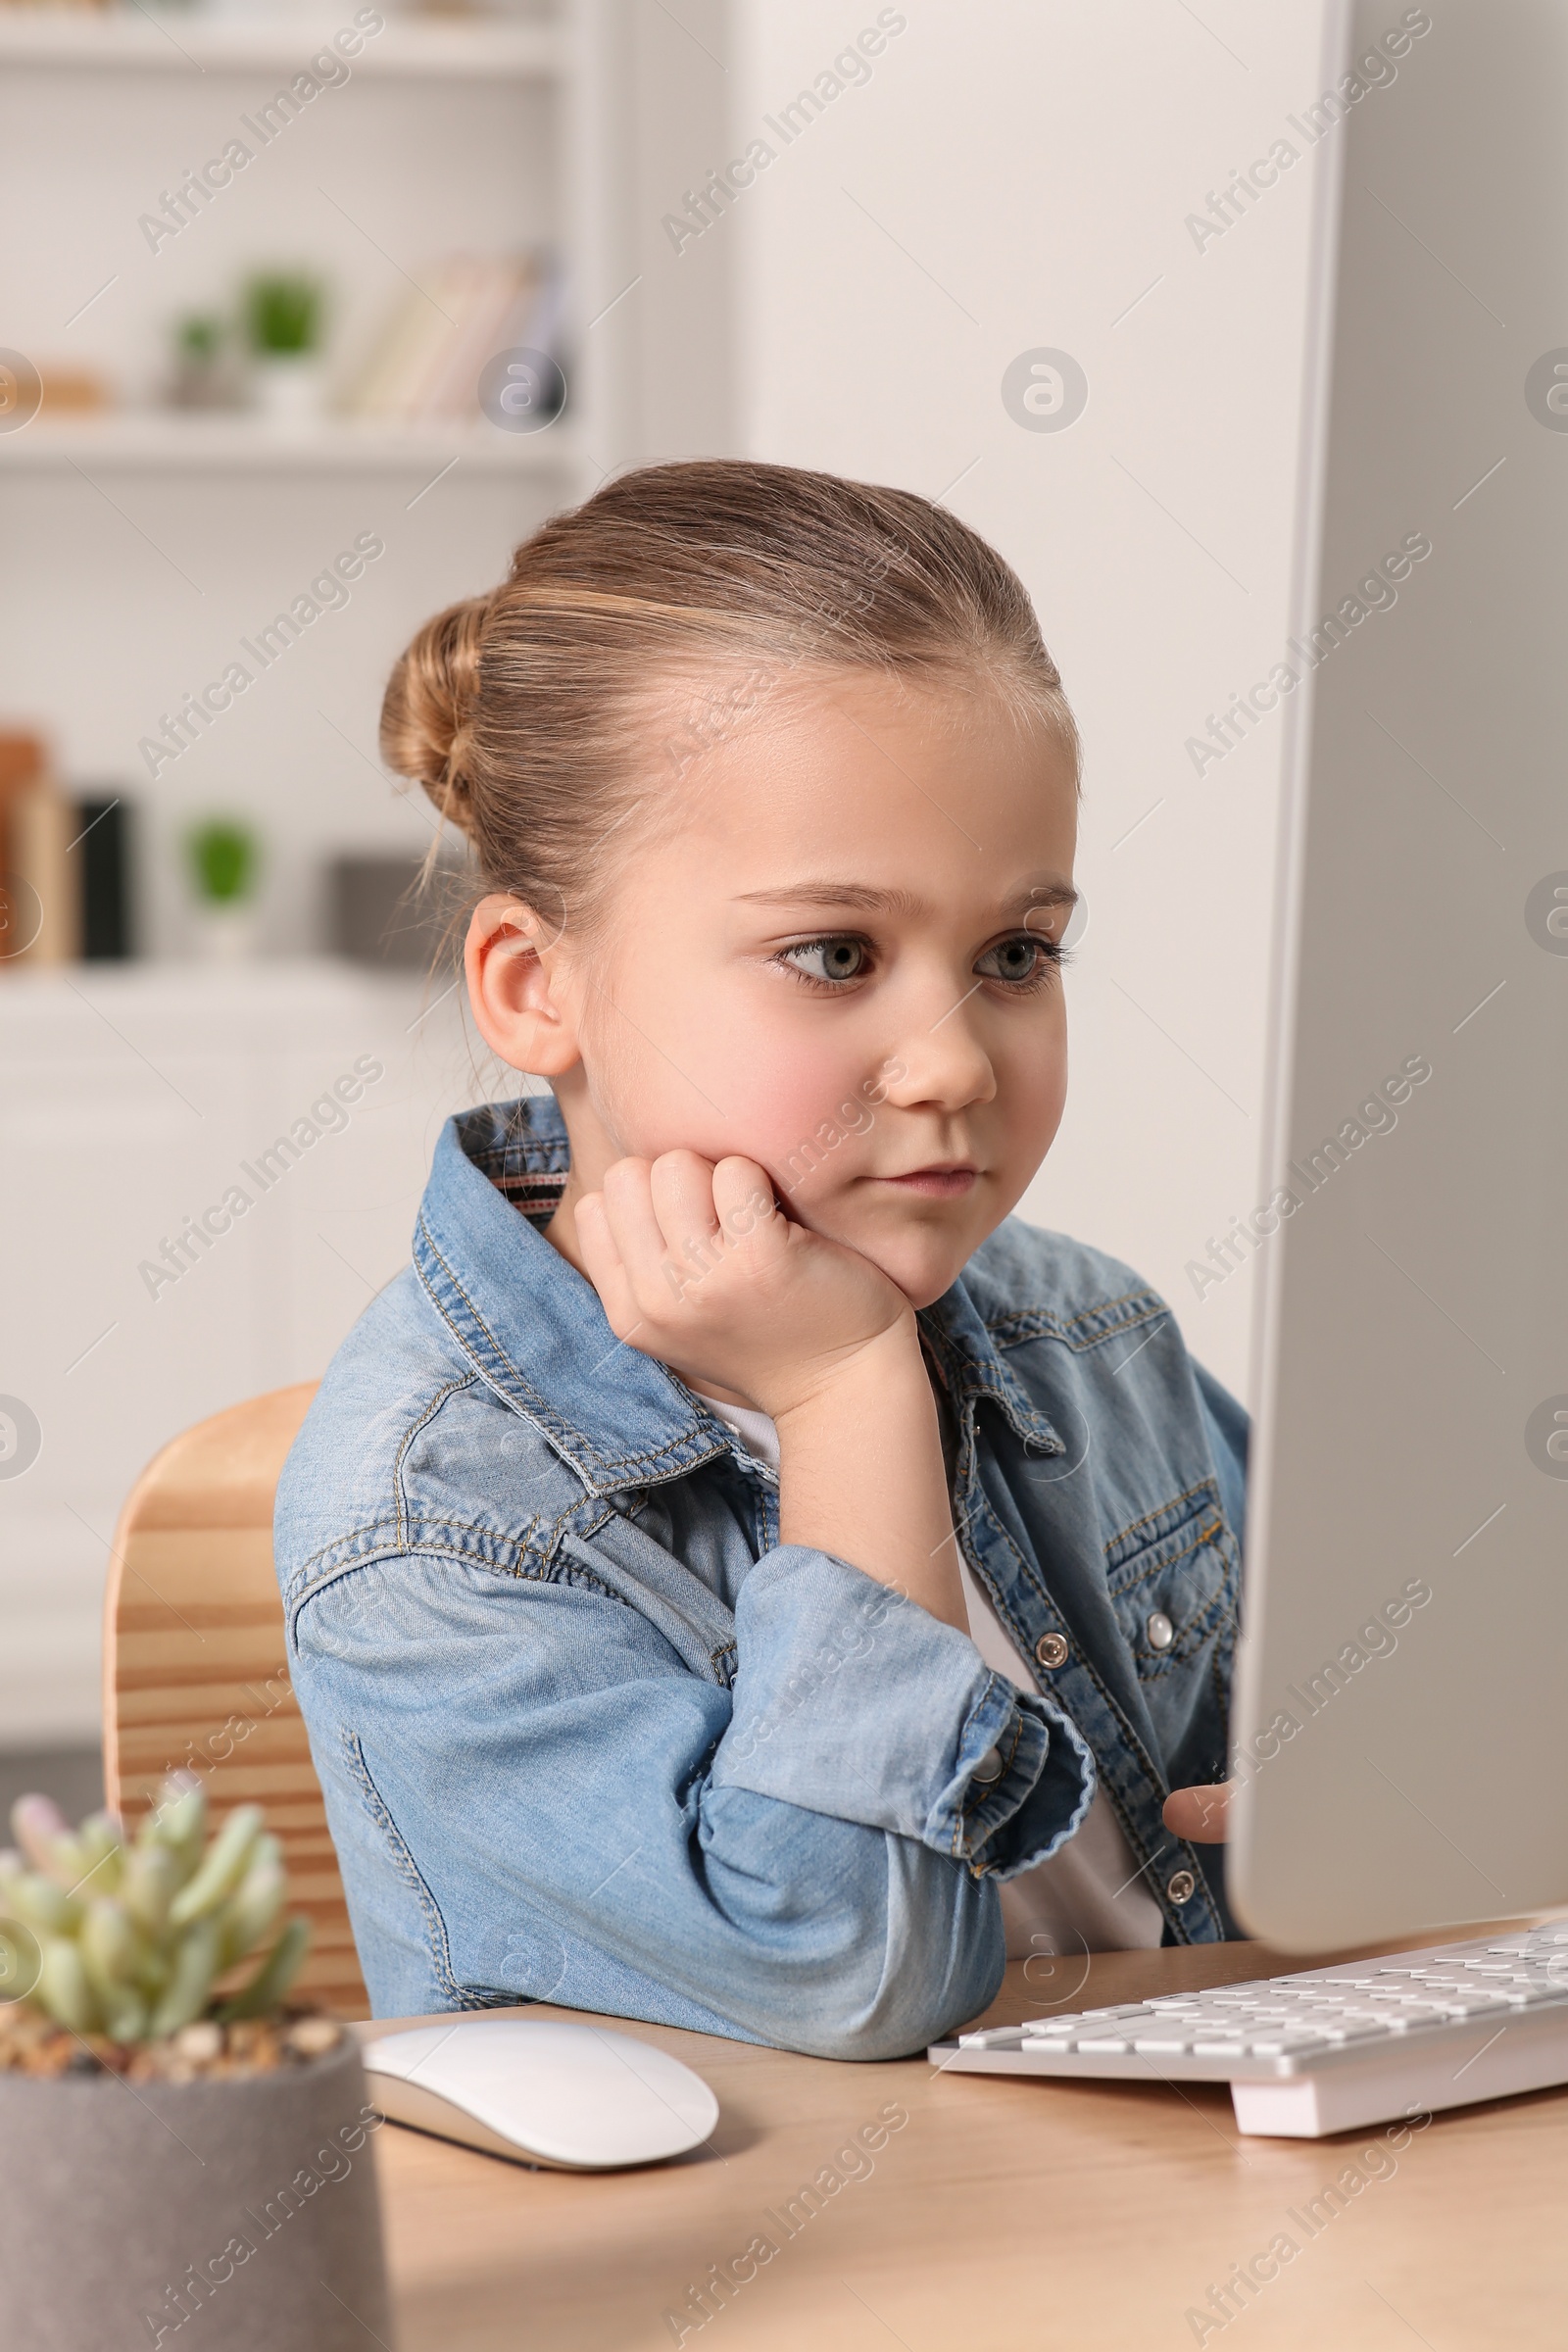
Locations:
(1326, 2049)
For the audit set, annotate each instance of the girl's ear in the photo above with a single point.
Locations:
(509, 963)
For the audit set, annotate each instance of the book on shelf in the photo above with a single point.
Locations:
(64, 865)
(424, 366)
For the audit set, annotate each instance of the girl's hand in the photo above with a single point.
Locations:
(1199, 1815)
(695, 1265)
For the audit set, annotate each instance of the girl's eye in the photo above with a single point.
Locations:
(839, 959)
(1022, 961)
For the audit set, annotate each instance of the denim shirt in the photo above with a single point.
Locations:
(589, 1733)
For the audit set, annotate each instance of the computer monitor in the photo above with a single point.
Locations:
(1401, 1698)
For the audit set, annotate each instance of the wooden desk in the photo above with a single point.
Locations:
(1001, 2216)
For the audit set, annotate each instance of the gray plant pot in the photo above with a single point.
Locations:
(247, 2207)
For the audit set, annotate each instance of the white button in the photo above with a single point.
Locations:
(1159, 1630)
(989, 1767)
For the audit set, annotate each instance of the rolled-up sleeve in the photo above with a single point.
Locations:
(855, 1703)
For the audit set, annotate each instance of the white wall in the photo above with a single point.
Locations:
(1012, 178)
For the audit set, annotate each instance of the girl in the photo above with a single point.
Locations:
(737, 1575)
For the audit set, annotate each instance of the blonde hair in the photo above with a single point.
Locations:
(524, 712)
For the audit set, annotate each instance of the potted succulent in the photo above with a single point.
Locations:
(203, 374)
(282, 314)
(225, 857)
(175, 2140)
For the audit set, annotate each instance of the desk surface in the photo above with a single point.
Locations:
(1003, 2216)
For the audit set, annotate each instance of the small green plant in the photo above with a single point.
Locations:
(283, 316)
(198, 337)
(223, 858)
(132, 1936)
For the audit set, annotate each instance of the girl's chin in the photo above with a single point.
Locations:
(920, 1274)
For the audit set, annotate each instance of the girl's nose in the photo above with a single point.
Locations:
(943, 1060)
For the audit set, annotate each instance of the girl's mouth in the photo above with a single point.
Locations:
(949, 1183)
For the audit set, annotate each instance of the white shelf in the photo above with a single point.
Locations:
(156, 443)
(177, 986)
(187, 41)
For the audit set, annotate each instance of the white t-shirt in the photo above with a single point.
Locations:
(1091, 1896)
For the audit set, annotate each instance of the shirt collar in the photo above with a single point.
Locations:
(974, 1367)
(534, 1328)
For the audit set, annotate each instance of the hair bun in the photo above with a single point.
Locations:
(428, 706)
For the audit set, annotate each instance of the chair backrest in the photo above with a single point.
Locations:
(196, 1665)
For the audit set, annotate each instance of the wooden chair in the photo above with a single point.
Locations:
(196, 1668)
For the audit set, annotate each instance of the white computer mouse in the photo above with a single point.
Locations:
(582, 2097)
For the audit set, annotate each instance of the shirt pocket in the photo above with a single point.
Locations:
(1173, 1578)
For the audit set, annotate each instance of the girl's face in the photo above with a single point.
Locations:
(838, 958)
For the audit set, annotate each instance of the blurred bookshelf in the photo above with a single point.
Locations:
(446, 196)
(420, 178)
